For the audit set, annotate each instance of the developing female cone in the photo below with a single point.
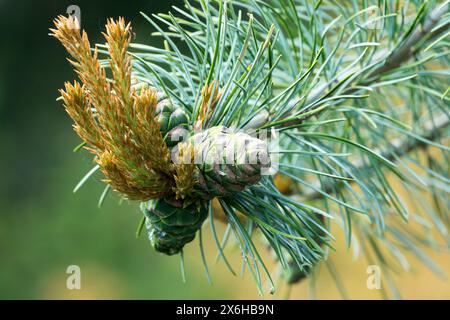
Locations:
(170, 226)
(227, 161)
(172, 120)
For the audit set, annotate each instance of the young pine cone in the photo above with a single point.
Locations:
(227, 161)
(172, 119)
(170, 226)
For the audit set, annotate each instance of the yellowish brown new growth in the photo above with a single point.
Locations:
(79, 109)
(184, 177)
(210, 97)
(117, 123)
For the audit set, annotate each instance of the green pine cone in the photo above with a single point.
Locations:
(172, 119)
(227, 161)
(170, 226)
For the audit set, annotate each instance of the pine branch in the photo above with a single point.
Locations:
(391, 61)
(406, 51)
(244, 69)
(398, 148)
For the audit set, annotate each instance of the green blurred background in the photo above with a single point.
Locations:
(44, 227)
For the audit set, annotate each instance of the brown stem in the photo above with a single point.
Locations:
(395, 60)
(406, 51)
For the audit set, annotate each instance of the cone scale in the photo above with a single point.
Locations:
(227, 161)
(173, 120)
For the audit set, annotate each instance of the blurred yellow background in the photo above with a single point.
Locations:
(104, 282)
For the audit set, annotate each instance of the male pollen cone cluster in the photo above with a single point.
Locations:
(117, 122)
